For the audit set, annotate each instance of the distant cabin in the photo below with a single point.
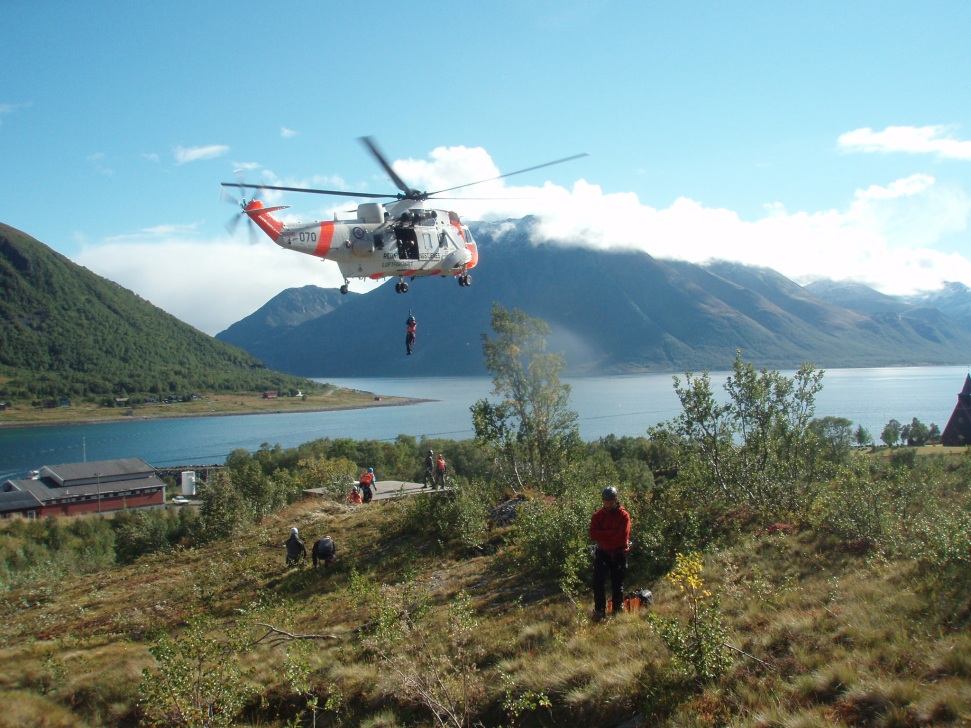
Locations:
(958, 429)
(269, 395)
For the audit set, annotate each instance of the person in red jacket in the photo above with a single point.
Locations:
(610, 529)
(367, 483)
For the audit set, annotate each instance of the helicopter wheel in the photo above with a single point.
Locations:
(465, 280)
(344, 289)
(404, 287)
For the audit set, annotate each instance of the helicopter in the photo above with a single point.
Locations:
(402, 238)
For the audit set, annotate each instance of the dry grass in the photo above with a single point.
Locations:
(833, 638)
(208, 405)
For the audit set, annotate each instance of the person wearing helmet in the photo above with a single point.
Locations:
(411, 332)
(355, 497)
(324, 550)
(610, 529)
(296, 551)
(429, 468)
(367, 483)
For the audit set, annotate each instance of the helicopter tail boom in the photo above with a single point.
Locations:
(263, 217)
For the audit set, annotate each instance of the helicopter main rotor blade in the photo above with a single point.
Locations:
(510, 174)
(338, 193)
(382, 160)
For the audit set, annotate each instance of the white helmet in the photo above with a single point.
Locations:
(293, 532)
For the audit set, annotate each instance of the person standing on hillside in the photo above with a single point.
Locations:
(324, 550)
(296, 551)
(429, 468)
(441, 471)
(610, 529)
(367, 483)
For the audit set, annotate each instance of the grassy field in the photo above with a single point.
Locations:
(821, 633)
(207, 405)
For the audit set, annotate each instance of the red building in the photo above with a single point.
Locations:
(73, 489)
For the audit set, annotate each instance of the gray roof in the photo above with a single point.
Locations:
(45, 490)
(106, 478)
(15, 500)
(104, 470)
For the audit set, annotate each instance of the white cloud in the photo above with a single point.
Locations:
(99, 161)
(287, 133)
(935, 140)
(184, 155)
(883, 238)
(886, 235)
(7, 109)
(209, 284)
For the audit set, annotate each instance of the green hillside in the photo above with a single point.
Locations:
(439, 613)
(66, 332)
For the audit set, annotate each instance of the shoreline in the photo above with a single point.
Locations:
(384, 402)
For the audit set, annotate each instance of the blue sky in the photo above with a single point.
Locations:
(822, 139)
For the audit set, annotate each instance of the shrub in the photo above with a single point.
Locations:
(697, 645)
(198, 681)
(854, 506)
(552, 536)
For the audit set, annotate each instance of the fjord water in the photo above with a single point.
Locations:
(620, 405)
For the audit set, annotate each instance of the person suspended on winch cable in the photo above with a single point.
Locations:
(411, 329)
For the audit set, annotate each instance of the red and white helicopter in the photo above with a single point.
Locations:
(403, 238)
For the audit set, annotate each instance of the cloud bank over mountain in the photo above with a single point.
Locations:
(895, 235)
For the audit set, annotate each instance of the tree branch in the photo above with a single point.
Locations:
(276, 636)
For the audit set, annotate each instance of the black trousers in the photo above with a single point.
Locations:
(613, 564)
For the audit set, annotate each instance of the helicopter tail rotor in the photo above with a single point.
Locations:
(241, 202)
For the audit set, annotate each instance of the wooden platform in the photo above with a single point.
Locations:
(388, 489)
(385, 489)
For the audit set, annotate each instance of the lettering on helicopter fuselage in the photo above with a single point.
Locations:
(307, 236)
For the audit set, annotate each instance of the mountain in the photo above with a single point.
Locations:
(609, 312)
(857, 297)
(65, 331)
(259, 331)
(953, 300)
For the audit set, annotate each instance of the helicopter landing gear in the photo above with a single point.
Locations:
(465, 280)
(400, 287)
(344, 290)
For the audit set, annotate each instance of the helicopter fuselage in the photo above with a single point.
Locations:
(404, 240)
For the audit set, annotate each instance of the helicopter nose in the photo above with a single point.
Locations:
(463, 256)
